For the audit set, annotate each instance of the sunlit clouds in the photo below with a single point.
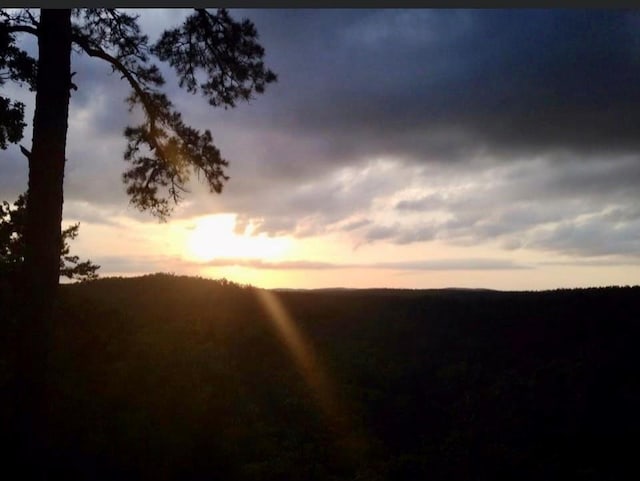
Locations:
(215, 237)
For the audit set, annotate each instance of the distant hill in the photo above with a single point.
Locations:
(172, 377)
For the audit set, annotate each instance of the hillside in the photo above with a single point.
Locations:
(166, 377)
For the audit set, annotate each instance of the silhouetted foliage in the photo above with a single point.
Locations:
(16, 66)
(186, 378)
(12, 248)
(163, 151)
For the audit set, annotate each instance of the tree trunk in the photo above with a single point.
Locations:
(43, 233)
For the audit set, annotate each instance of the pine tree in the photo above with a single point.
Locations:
(211, 53)
(12, 246)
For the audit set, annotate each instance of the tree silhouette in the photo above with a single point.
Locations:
(12, 246)
(211, 53)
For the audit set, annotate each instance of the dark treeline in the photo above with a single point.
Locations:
(165, 377)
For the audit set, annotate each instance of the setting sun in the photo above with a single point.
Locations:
(214, 237)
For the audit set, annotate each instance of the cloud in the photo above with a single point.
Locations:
(607, 261)
(428, 265)
(354, 224)
(280, 265)
(117, 265)
(543, 90)
(441, 85)
(91, 213)
(454, 265)
(590, 237)
(510, 127)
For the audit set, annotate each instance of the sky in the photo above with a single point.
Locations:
(399, 148)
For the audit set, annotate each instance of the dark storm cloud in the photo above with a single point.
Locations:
(439, 85)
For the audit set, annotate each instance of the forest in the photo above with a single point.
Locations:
(169, 377)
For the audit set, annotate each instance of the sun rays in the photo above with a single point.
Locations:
(352, 441)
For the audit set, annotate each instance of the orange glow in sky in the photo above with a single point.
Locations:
(213, 237)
